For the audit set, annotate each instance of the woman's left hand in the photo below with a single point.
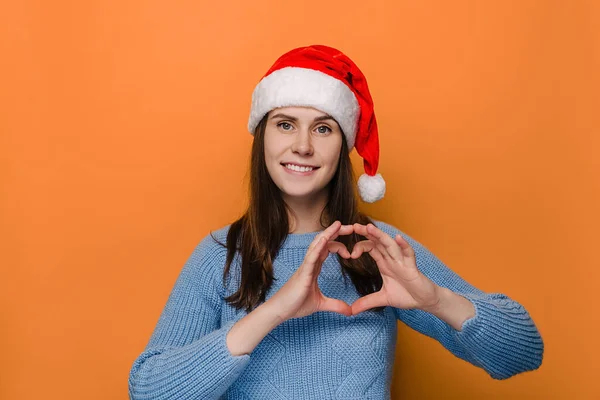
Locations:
(404, 286)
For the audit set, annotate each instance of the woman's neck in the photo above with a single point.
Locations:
(306, 214)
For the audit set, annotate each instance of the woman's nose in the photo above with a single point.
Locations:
(303, 143)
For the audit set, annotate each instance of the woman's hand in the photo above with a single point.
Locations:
(300, 295)
(404, 286)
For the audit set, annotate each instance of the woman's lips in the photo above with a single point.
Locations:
(301, 173)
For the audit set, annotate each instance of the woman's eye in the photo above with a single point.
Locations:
(323, 129)
(285, 126)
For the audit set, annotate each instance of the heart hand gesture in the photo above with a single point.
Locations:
(404, 286)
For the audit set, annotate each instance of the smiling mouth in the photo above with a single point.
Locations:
(298, 168)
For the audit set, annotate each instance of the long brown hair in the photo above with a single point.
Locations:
(258, 234)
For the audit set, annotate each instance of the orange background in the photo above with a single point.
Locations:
(123, 142)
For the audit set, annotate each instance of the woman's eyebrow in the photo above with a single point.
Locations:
(285, 116)
(324, 117)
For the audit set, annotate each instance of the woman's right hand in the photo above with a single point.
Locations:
(300, 295)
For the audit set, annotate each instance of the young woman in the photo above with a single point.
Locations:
(300, 297)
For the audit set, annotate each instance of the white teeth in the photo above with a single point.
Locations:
(298, 168)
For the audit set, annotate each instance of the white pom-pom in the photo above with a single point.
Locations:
(371, 188)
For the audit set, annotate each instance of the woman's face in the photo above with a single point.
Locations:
(302, 150)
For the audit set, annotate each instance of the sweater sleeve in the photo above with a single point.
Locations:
(187, 356)
(501, 338)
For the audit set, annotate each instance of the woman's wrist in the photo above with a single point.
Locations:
(452, 308)
(271, 313)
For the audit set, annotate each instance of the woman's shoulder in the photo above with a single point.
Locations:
(216, 236)
(214, 243)
(209, 255)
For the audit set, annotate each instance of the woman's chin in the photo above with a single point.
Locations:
(299, 195)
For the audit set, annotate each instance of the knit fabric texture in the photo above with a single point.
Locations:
(322, 356)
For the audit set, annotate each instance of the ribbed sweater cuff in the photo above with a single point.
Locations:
(202, 369)
(501, 337)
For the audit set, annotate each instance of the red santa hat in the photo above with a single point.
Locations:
(326, 79)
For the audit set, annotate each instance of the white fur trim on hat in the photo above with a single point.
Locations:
(293, 86)
(371, 188)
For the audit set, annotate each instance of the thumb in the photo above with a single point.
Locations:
(338, 306)
(369, 301)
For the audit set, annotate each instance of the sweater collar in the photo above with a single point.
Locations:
(299, 240)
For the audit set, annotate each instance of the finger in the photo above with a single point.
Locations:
(367, 246)
(344, 230)
(311, 260)
(362, 230)
(369, 301)
(362, 247)
(386, 240)
(339, 248)
(389, 248)
(331, 231)
(407, 250)
(384, 252)
(331, 235)
(323, 252)
(366, 231)
(327, 233)
(335, 305)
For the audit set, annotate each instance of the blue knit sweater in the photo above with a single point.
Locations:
(325, 355)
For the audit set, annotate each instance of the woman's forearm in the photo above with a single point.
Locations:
(248, 332)
(453, 308)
